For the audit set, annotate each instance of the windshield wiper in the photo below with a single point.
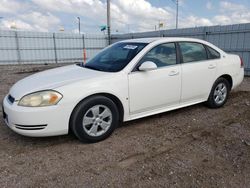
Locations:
(93, 68)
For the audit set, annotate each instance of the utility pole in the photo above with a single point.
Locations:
(108, 21)
(79, 24)
(177, 13)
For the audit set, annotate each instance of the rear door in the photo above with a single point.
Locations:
(198, 71)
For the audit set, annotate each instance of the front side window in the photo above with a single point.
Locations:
(116, 57)
(192, 52)
(162, 55)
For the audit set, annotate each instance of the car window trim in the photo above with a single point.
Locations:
(177, 54)
(209, 53)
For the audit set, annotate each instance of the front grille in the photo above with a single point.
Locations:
(11, 99)
(30, 127)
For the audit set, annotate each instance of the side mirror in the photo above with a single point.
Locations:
(147, 66)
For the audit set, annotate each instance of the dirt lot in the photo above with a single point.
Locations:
(190, 147)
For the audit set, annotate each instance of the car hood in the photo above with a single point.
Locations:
(52, 79)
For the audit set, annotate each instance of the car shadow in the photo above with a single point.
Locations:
(162, 115)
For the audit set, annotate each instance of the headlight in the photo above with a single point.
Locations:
(41, 98)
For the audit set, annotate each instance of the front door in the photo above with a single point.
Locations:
(149, 90)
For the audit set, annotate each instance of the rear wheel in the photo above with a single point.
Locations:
(219, 93)
(94, 119)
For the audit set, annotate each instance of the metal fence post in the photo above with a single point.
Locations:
(84, 49)
(18, 48)
(54, 41)
(83, 41)
(205, 33)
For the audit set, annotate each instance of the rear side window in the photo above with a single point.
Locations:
(192, 52)
(212, 53)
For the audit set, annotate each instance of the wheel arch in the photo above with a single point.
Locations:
(228, 78)
(112, 97)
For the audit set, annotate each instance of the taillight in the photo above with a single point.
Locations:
(241, 63)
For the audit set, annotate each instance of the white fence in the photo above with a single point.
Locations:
(37, 47)
(17, 47)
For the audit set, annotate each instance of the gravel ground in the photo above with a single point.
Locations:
(189, 147)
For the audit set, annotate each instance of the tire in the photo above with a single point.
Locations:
(219, 93)
(94, 119)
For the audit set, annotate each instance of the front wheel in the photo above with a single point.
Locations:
(94, 119)
(219, 93)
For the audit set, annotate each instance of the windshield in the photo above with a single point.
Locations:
(116, 57)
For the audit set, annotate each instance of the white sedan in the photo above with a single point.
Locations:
(125, 81)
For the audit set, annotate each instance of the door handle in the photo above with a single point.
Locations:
(173, 73)
(211, 66)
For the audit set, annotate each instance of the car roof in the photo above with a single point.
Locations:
(163, 39)
(159, 40)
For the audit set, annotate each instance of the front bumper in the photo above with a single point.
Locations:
(36, 121)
